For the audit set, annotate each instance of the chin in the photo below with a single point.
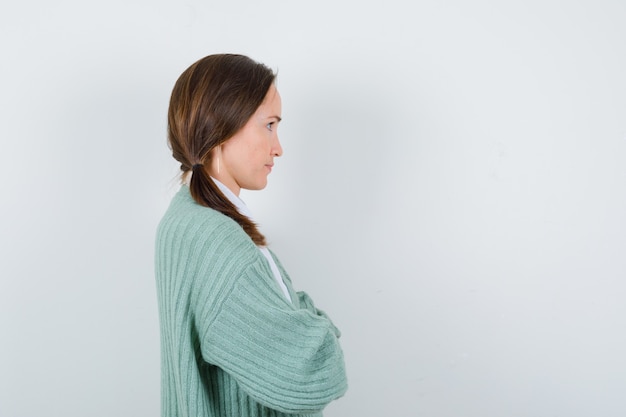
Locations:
(256, 186)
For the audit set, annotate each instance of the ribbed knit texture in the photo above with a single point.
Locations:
(232, 345)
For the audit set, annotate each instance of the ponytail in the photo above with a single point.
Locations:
(206, 193)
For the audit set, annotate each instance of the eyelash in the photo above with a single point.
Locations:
(270, 126)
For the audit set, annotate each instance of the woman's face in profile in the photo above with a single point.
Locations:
(247, 158)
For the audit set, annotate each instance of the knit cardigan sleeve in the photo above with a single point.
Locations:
(286, 356)
(304, 300)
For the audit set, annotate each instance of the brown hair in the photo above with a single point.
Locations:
(212, 100)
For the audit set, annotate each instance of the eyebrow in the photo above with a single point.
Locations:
(280, 119)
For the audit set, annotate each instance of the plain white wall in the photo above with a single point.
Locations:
(452, 193)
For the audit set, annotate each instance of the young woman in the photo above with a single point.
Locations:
(236, 339)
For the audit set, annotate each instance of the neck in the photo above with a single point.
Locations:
(186, 179)
(231, 185)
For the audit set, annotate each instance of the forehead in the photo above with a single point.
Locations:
(271, 105)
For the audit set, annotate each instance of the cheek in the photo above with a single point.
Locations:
(260, 151)
(251, 154)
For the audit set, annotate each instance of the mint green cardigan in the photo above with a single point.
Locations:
(232, 345)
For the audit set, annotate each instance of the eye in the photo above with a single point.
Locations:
(270, 126)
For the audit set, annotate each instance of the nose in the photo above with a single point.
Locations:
(277, 150)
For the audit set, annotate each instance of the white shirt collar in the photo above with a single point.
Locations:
(238, 202)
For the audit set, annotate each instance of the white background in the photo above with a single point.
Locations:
(452, 193)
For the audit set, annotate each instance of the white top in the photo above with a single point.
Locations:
(243, 209)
